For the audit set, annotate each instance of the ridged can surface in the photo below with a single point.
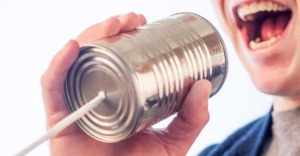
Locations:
(145, 73)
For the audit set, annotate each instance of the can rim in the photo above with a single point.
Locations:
(131, 125)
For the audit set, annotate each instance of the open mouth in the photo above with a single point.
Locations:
(262, 23)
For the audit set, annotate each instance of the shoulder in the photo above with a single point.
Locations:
(245, 141)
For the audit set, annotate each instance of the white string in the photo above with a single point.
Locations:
(64, 123)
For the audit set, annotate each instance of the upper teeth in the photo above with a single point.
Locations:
(251, 8)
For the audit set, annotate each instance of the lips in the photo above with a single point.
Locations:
(262, 23)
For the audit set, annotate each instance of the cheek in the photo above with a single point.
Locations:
(295, 47)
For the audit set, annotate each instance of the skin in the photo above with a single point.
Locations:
(176, 139)
(274, 71)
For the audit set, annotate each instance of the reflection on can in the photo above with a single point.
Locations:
(145, 73)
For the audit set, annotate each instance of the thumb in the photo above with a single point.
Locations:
(190, 120)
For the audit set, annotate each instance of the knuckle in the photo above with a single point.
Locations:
(131, 15)
(142, 19)
(99, 30)
(111, 23)
(55, 60)
(46, 82)
(129, 18)
(206, 117)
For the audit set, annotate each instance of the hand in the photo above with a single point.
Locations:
(176, 139)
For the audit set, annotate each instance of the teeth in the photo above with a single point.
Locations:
(269, 6)
(246, 10)
(265, 44)
(257, 40)
(250, 18)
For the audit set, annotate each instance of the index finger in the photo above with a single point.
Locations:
(111, 27)
(53, 79)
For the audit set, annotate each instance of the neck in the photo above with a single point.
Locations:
(285, 103)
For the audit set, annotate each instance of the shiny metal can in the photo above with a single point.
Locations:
(145, 73)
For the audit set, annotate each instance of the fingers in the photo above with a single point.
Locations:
(193, 116)
(53, 79)
(111, 27)
(101, 30)
(142, 19)
(129, 21)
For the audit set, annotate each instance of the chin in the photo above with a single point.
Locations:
(276, 85)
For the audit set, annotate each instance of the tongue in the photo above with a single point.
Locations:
(272, 27)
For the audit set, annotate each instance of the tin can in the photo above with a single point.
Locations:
(145, 73)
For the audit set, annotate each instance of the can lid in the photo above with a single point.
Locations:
(100, 69)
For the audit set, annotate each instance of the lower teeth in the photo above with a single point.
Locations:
(260, 45)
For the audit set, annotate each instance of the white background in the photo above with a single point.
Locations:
(32, 31)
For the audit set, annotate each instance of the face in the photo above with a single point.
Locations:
(266, 35)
